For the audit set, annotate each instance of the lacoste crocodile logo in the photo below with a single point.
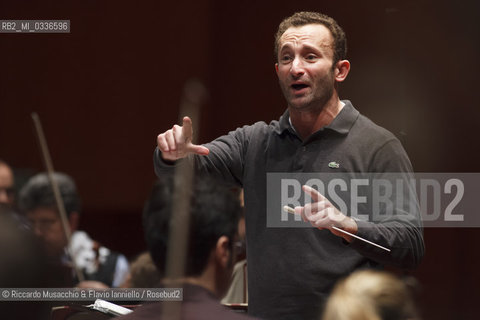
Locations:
(334, 165)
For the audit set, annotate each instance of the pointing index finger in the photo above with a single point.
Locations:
(314, 194)
(187, 130)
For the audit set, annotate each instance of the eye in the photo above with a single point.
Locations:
(285, 58)
(311, 57)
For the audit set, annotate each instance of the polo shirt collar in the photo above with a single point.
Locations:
(345, 119)
(284, 124)
(341, 124)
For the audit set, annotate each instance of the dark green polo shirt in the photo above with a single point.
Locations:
(291, 271)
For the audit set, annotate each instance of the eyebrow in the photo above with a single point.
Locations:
(311, 48)
(284, 47)
(305, 47)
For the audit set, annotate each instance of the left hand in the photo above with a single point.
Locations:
(322, 214)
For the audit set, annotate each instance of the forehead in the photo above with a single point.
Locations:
(42, 213)
(310, 34)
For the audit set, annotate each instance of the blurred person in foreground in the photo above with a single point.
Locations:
(22, 264)
(371, 295)
(100, 266)
(214, 214)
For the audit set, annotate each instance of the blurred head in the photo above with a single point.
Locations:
(214, 213)
(7, 194)
(370, 295)
(37, 201)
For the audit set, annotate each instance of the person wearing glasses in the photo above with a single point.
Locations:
(100, 266)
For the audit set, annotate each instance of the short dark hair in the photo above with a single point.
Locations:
(214, 212)
(38, 193)
(304, 18)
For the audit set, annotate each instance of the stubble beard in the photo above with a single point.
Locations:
(315, 101)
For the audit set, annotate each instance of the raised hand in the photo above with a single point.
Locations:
(176, 143)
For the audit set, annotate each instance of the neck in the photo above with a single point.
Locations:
(205, 280)
(310, 121)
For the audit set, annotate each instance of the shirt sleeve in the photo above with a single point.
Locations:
(401, 229)
(225, 159)
(122, 270)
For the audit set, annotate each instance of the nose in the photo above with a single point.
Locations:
(37, 231)
(297, 67)
(3, 196)
(36, 228)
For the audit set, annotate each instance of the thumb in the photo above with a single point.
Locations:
(198, 149)
(187, 131)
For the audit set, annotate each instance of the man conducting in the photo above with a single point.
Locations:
(292, 270)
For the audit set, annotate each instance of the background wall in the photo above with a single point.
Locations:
(106, 90)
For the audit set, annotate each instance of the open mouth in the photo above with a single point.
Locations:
(299, 86)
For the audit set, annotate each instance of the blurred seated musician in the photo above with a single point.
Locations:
(371, 295)
(214, 213)
(21, 266)
(100, 266)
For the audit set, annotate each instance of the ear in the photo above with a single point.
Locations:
(74, 220)
(223, 252)
(276, 68)
(341, 70)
